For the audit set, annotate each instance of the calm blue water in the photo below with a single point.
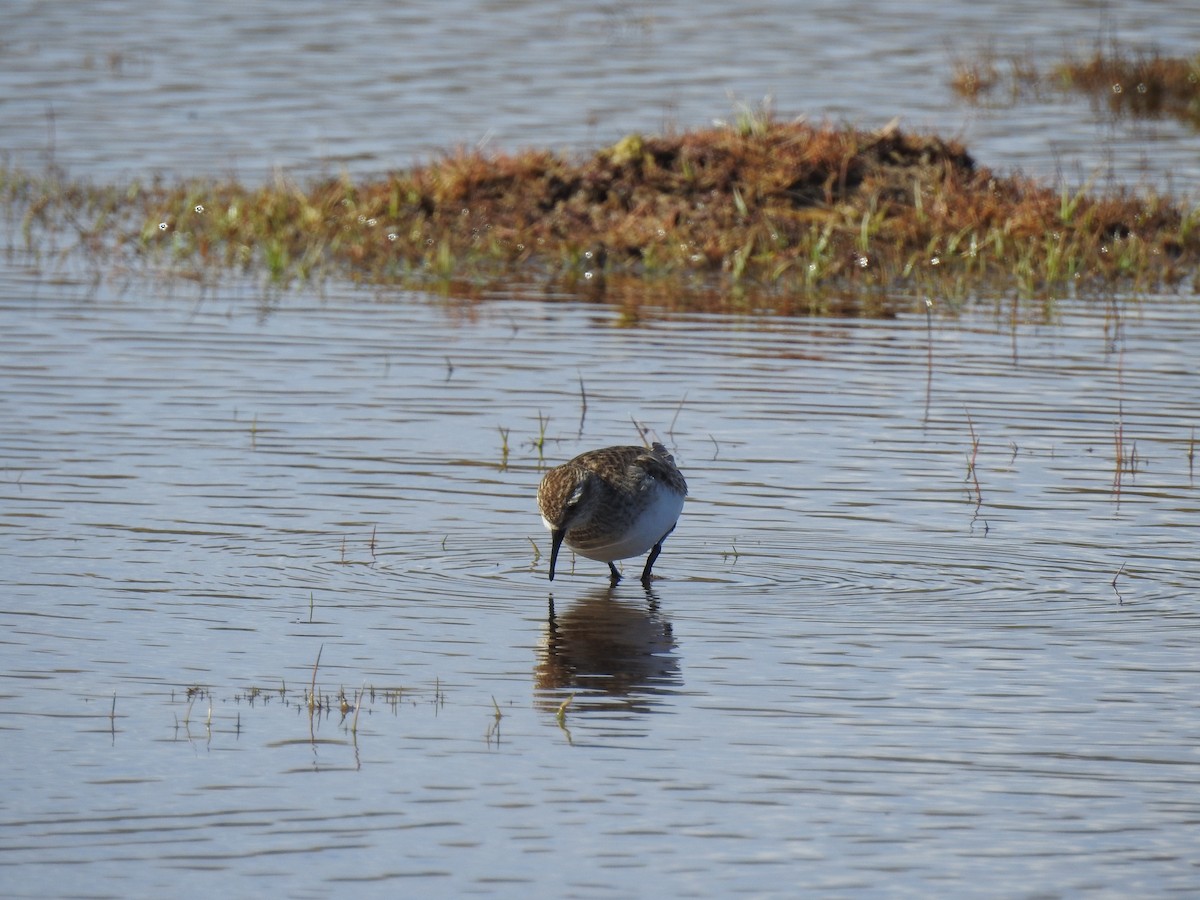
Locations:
(125, 89)
(858, 673)
(928, 625)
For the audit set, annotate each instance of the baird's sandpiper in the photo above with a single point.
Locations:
(613, 504)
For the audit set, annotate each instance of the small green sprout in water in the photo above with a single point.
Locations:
(540, 442)
(1118, 449)
(675, 418)
(972, 471)
(312, 694)
(561, 715)
(503, 446)
(187, 714)
(357, 709)
(582, 404)
(494, 729)
(1120, 572)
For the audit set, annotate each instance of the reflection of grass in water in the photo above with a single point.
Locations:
(325, 702)
(560, 717)
(539, 443)
(1138, 84)
(317, 702)
(494, 729)
(756, 215)
(972, 462)
(503, 447)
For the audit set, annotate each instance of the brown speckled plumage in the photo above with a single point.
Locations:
(612, 504)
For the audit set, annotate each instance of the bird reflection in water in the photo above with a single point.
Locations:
(616, 652)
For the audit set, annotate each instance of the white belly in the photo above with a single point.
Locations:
(643, 532)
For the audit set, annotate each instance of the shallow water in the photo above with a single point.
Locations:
(124, 89)
(858, 673)
(928, 625)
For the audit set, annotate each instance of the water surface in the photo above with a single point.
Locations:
(859, 672)
(928, 625)
(126, 89)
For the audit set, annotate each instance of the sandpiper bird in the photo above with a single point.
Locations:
(613, 504)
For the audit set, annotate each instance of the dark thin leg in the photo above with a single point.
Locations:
(614, 574)
(652, 557)
(650, 563)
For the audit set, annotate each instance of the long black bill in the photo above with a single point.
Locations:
(556, 539)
